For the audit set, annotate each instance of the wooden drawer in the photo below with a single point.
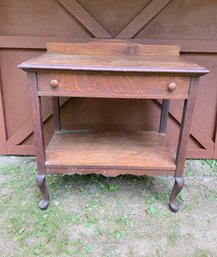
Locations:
(108, 85)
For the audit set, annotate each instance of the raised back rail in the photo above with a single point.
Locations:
(113, 47)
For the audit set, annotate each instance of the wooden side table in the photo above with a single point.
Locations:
(111, 69)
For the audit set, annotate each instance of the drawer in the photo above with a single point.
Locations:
(112, 85)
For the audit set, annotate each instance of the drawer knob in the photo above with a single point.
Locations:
(172, 86)
(54, 83)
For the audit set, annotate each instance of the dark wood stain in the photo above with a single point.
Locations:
(111, 152)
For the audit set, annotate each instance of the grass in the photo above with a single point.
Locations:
(212, 164)
(103, 217)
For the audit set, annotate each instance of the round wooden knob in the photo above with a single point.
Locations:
(54, 83)
(172, 86)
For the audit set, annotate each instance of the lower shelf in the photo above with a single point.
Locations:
(109, 153)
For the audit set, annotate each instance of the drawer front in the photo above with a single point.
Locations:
(113, 85)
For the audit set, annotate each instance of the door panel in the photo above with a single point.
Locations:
(26, 26)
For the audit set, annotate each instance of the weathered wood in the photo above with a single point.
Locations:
(110, 85)
(121, 150)
(113, 47)
(143, 18)
(85, 19)
(188, 110)
(164, 115)
(121, 63)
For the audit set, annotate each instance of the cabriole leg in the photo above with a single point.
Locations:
(179, 183)
(42, 184)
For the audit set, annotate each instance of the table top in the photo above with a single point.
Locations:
(113, 56)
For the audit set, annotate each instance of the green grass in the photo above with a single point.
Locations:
(96, 216)
(211, 163)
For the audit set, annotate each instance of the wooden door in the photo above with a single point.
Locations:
(26, 26)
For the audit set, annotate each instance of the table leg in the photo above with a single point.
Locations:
(179, 183)
(39, 140)
(56, 113)
(164, 115)
(182, 143)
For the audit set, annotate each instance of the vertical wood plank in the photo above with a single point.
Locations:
(37, 123)
(215, 147)
(164, 115)
(184, 134)
(3, 137)
(56, 113)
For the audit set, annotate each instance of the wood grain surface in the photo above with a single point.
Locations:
(110, 149)
(113, 55)
(112, 47)
(128, 63)
(111, 84)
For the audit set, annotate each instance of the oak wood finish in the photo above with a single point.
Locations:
(129, 61)
(39, 140)
(111, 84)
(126, 70)
(37, 123)
(185, 127)
(110, 149)
(118, 47)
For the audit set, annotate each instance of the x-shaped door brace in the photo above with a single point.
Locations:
(135, 25)
(132, 28)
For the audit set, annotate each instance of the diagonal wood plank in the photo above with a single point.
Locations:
(74, 8)
(196, 131)
(143, 18)
(26, 129)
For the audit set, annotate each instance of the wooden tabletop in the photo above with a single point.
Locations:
(113, 55)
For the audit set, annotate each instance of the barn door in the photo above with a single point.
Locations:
(26, 26)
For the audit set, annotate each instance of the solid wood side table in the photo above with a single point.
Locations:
(111, 69)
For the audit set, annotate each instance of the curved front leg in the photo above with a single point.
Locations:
(42, 184)
(179, 183)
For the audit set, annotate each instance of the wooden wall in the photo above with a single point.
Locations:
(26, 26)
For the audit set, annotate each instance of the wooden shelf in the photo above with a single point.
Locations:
(110, 153)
